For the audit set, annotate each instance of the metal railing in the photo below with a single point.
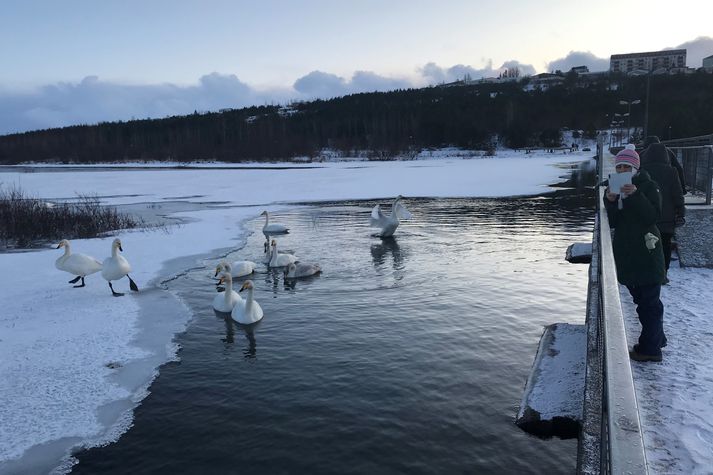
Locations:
(611, 440)
(697, 163)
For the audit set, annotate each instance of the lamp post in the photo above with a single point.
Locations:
(628, 125)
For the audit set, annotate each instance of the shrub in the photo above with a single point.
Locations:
(27, 220)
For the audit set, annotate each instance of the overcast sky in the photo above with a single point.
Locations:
(85, 61)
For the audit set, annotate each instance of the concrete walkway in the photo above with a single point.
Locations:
(675, 396)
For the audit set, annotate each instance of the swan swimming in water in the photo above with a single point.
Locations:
(116, 267)
(226, 301)
(389, 223)
(273, 228)
(80, 265)
(278, 259)
(236, 269)
(296, 271)
(249, 313)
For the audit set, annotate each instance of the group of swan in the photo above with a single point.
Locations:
(248, 311)
(389, 222)
(81, 265)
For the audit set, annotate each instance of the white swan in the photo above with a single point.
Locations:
(226, 301)
(273, 228)
(236, 268)
(80, 265)
(295, 271)
(389, 223)
(280, 260)
(116, 267)
(251, 311)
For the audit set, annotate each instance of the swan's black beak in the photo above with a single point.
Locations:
(120, 248)
(58, 246)
(216, 274)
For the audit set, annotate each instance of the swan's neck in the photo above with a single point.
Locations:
(228, 290)
(267, 219)
(114, 251)
(249, 301)
(67, 251)
(273, 256)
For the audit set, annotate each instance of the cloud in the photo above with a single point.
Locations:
(700, 48)
(579, 58)
(319, 84)
(434, 74)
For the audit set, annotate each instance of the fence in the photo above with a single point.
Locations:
(697, 163)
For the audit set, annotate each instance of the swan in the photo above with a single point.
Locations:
(295, 271)
(251, 311)
(226, 301)
(80, 265)
(273, 228)
(236, 269)
(389, 223)
(278, 259)
(116, 267)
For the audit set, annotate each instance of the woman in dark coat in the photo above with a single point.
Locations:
(637, 251)
(672, 204)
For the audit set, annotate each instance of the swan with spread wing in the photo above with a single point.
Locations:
(389, 222)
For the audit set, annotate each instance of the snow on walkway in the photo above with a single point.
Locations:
(675, 396)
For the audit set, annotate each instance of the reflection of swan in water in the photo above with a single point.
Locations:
(251, 350)
(387, 246)
(273, 228)
(389, 222)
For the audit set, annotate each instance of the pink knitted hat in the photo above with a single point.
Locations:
(628, 157)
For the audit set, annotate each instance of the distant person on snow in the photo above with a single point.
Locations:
(638, 252)
(672, 204)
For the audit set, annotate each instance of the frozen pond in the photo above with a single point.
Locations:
(407, 355)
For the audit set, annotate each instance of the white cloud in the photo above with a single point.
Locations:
(579, 58)
(700, 48)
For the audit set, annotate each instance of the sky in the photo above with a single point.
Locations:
(82, 61)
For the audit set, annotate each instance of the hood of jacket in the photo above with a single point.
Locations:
(657, 153)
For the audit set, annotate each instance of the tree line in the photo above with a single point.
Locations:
(385, 124)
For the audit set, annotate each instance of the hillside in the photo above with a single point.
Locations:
(385, 124)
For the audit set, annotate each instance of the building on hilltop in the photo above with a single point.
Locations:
(650, 61)
(708, 62)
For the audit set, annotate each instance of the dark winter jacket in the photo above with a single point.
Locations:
(635, 263)
(673, 161)
(672, 205)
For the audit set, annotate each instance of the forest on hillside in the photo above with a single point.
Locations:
(386, 124)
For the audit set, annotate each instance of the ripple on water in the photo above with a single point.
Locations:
(406, 355)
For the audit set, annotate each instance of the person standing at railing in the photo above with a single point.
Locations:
(651, 140)
(673, 208)
(637, 251)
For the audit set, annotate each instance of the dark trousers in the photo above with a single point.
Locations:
(650, 310)
(666, 245)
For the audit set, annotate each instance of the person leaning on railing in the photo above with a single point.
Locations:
(633, 212)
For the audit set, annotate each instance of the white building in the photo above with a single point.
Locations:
(667, 59)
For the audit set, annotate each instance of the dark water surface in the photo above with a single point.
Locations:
(406, 355)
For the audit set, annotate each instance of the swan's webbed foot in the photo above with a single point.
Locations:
(132, 284)
(75, 280)
(115, 293)
(79, 286)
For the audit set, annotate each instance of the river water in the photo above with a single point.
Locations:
(406, 355)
